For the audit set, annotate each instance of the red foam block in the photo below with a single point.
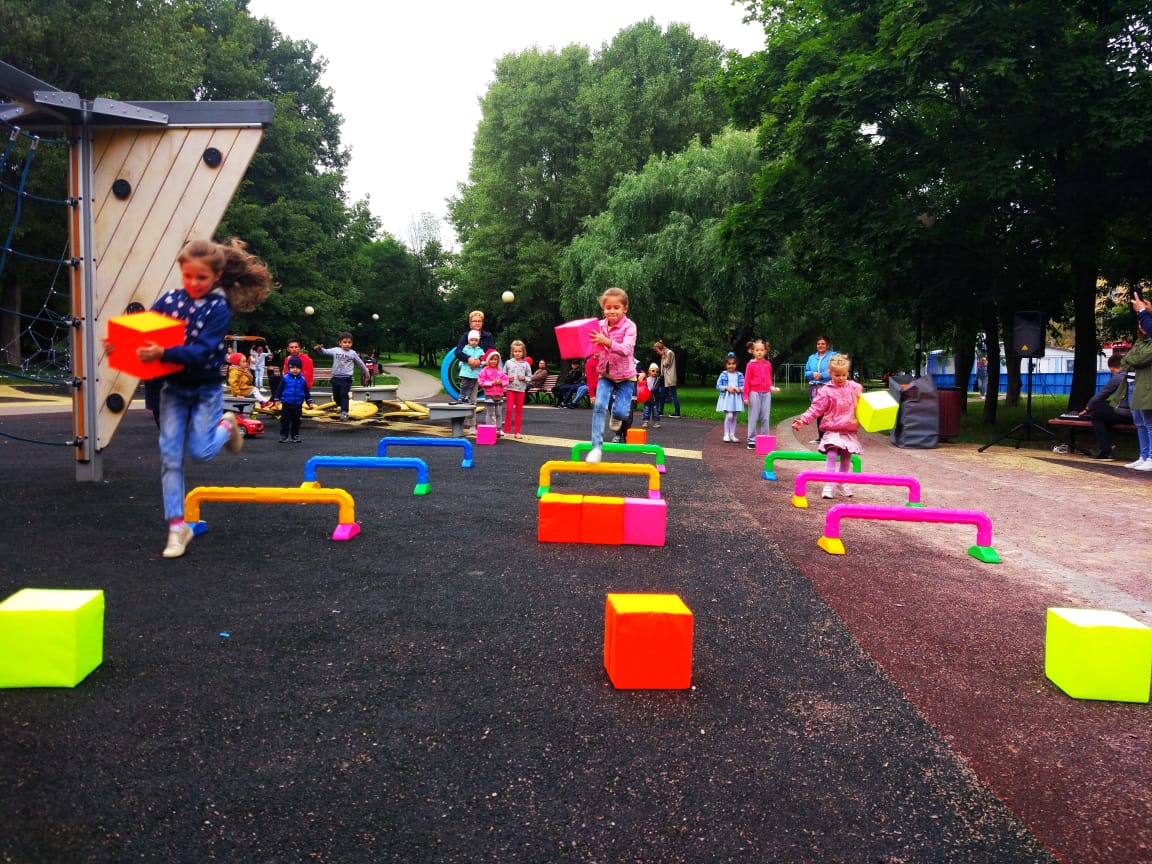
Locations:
(129, 332)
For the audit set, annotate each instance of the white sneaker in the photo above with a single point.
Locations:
(845, 490)
(594, 455)
(178, 540)
(727, 438)
(1146, 465)
(829, 491)
(1135, 464)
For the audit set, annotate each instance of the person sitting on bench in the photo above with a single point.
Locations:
(573, 381)
(1109, 407)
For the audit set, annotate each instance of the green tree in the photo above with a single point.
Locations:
(1015, 127)
(558, 131)
(291, 207)
(660, 240)
(109, 48)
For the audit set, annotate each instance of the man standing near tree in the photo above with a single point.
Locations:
(668, 376)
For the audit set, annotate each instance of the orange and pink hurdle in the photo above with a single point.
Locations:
(345, 530)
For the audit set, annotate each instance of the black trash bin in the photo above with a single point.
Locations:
(951, 407)
(918, 420)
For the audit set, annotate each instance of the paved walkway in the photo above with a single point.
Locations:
(965, 641)
(415, 385)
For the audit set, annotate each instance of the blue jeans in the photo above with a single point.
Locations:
(189, 423)
(618, 394)
(666, 394)
(1142, 420)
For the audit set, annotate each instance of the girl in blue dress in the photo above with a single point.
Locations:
(731, 399)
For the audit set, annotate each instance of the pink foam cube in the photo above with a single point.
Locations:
(765, 444)
(644, 521)
(574, 338)
(485, 434)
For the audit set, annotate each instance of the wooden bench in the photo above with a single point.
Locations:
(1073, 426)
(538, 394)
(321, 373)
(239, 404)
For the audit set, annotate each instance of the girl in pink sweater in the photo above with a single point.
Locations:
(835, 405)
(758, 390)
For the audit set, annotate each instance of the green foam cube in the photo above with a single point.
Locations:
(50, 637)
(1097, 654)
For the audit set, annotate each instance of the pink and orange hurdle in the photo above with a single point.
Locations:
(799, 498)
(982, 551)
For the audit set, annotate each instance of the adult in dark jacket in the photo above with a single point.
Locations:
(487, 340)
(1108, 407)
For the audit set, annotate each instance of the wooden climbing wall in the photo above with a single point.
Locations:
(153, 190)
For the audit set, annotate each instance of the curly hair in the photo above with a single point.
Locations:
(245, 279)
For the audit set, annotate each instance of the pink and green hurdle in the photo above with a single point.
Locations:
(798, 456)
(982, 551)
(799, 498)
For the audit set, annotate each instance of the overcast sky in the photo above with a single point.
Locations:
(407, 77)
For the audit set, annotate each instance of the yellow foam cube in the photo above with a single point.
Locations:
(50, 637)
(876, 411)
(1098, 654)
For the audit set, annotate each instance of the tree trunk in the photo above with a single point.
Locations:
(992, 335)
(1012, 364)
(965, 357)
(1085, 270)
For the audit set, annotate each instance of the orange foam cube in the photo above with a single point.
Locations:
(602, 520)
(129, 332)
(636, 436)
(559, 518)
(648, 642)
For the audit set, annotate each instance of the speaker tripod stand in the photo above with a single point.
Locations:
(1027, 426)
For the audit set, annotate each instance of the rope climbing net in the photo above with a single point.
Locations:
(35, 345)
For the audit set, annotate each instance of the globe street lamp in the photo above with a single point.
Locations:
(508, 299)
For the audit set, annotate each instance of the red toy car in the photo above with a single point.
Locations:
(249, 425)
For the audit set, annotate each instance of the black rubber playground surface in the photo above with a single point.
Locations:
(433, 690)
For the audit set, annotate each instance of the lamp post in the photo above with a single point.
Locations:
(508, 298)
